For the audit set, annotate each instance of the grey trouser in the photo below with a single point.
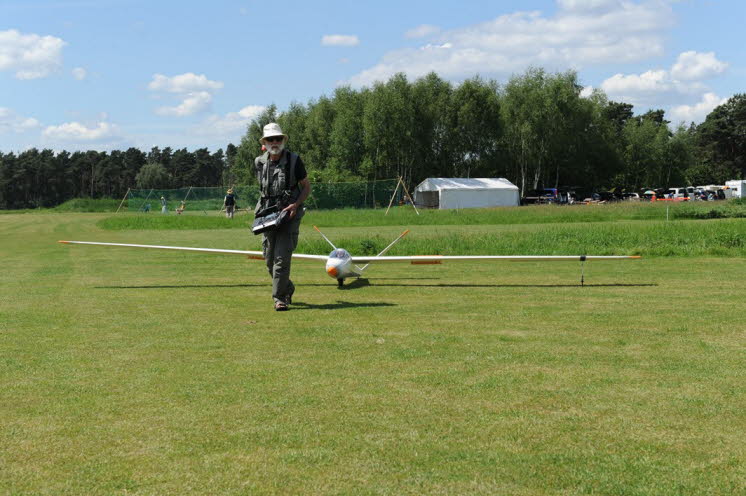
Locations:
(278, 247)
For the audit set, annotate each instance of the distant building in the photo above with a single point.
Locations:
(456, 192)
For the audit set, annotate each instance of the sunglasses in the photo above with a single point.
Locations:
(274, 139)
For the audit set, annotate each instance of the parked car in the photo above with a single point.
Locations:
(713, 191)
(545, 195)
(678, 193)
(649, 195)
(699, 194)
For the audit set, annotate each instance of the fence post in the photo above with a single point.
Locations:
(125, 197)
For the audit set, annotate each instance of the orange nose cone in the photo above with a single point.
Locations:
(332, 271)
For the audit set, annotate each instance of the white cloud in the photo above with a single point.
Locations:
(75, 132)
(192, 103)
(662, 86)
(31, 56)
(339, 40)
(183, 83)
(79, 73)
(12, 122)
(231, 126)
(589, 5)
(697, 112)
(582, 33)
(697, 66)
(422, 31)
(632, 84)
(195, 92)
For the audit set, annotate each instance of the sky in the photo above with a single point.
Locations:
(111, 74)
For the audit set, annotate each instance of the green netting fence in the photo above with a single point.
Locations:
(371, 194)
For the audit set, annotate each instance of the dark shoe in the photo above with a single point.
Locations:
(280, 306)
(289, 298)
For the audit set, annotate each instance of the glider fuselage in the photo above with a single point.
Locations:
(340, 266)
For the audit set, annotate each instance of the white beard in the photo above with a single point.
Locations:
(275, 148)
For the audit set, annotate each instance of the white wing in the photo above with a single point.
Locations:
(258, 255)
(415, 259)
(437, 259)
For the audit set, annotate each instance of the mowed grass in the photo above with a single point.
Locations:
(148, 372)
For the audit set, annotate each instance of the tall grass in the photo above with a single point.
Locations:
(724, 238)
(533, 214)
(406, 216)
(623, 229)
(75, 205)
(155, 221)
(89, 205)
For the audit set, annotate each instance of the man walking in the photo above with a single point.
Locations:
(284, 182)
(229, 203)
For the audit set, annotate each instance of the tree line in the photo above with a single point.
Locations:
(36, 178)
(537, 130)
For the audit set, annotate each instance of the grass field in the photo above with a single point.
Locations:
(537, 214)
(148, 372)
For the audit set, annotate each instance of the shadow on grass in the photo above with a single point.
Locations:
(183, 286)
(299, 305)
(576, 285)
(362, 282)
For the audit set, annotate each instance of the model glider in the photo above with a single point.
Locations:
(340, 264)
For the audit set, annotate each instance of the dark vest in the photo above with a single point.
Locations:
(279, 182)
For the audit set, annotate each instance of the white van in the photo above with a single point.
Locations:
(737, 188)
(679, 192)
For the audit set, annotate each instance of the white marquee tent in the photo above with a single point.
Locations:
(456, 192)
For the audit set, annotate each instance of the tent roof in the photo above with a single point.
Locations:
(443, 183)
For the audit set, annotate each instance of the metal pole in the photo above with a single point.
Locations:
(392, 196)
(145, 200)
(125, 197)
(187, 195)
(411, 200)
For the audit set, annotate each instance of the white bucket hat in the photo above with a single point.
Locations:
(273, 129)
